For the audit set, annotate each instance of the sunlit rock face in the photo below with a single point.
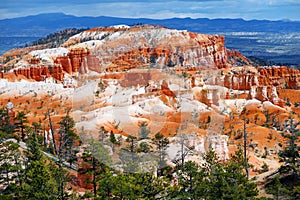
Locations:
(200, 145)
(75, 60)
(218, 143)
(130, 47)
(123, 48)
(40, 73)
(279, 76)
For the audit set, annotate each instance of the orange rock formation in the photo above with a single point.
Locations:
(282, 77)
(74, 60)
(40, 73)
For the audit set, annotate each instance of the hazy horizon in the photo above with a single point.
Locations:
(149, 18)
(158, 9)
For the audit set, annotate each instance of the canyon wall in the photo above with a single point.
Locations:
(75, 60)
(282, 77)
(40, 73)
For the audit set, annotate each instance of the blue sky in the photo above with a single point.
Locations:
(158, 9)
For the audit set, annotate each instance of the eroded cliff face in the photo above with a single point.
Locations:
(75, 61)
(130, 47)
(40, 73)
(124, 48)
(243, 78)
(235, 58)
(282, 77)
(242, 81)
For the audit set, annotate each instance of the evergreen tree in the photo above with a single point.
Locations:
(10, 168)
(144, 131)
(113, 140)
(68, 140)
(38, 181)
(106, 184)
(103, 134)
(21, 120)
(129, 156)
(290, 155)
(150, 186)
(125, 187)
(277, 189)
(227, 180)
(183, 152)
(143, 148)
(96, 158)
(6, 128)
(114, 185)
(61, 177)
(161, 144)
(190, 181)
(287, 184)
(67, 149)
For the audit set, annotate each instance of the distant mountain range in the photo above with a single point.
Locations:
(262, 38)
(43, 24)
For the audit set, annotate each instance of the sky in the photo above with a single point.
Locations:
(157, 9)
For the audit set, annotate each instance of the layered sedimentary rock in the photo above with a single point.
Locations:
(93, 63)
(166, 90)
(152, 91)
(34, 61)
(197, 82)
(236, 58)
(265, 93)
(236, 79)
(74, 61)
(273, 96)
(77, 57)
(41, 73)
(210, 94)
(65, 62)
(135, 79)
(242, 81)
(282, 77)
(126, 48)
(261, 93)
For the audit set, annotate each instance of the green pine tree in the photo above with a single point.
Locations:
(162, 144)
(6, 128)
(144, 131)
(38, 181)
(190, 181)
(21, 120)
(290, 155)
(68, 141)
(96, 160)
(227, 180)
(10, 169)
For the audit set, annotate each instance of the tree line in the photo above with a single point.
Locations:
(42, 171)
